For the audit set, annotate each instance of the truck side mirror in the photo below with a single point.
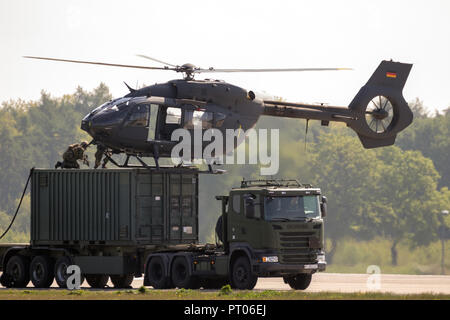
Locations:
(323, 206)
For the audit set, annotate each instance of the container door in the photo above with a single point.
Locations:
(183, 208)
(149, 208)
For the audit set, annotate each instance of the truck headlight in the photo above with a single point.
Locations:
(270, 259)
(320, 258)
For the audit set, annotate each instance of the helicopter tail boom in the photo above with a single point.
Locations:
(377, 112)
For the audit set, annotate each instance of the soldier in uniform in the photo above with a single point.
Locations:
(74, 153)
(101, 150)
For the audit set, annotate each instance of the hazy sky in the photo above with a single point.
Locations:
(245, 34)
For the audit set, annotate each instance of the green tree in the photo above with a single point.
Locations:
(430, 137)
(346, 174)
(36, 133)
(404, 200)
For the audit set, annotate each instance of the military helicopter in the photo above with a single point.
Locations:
(141, 123)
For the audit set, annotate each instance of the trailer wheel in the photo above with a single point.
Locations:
(41, 272)
(299, 282)
(157, 275)
(97, 281)
(122, 281)
(16, 273)
(242, 276)
(181, 276)
(61, 275)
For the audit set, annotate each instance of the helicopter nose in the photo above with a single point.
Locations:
(93, 126)
(85, 125)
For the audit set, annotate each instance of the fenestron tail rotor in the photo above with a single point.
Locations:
(379, 114)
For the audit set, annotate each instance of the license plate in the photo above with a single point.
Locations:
(310, 266)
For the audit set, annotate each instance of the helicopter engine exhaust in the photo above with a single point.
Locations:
(377, 113)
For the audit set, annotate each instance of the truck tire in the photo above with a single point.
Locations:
(181, 277)
(156, 274)
(97, 281)
(61, 275)
(299, 282)
(122, 281)
(242, 276)
(4, 282)
(41, 272)
(16, 273)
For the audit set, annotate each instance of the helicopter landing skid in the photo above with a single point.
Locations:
(215, 171)
(127, 165)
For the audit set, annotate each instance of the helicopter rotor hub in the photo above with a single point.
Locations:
(188, 70)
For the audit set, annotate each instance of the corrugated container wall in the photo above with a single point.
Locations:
(114, 206)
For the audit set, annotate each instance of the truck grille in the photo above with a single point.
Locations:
(295, 247)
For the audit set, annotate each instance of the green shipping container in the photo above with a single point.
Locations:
(114, 206)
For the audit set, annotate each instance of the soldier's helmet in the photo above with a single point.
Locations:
(84, 144)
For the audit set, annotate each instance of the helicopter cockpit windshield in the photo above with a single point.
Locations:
(113, 105)
(102, 120)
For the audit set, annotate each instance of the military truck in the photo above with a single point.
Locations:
(123, 223)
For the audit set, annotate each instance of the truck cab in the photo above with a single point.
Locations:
(273, 228)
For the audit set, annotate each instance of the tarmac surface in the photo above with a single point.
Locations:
(393, 283)
(345, 282)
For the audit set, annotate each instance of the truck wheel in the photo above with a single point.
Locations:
(4, 281)
(242, 276)
(41, 272)
(156, 273)
(97, 281)
(122, 281)
(16, 273)
(181, 276)
(61, 275)
(299, 282)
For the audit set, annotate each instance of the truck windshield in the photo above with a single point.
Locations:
(291, 208)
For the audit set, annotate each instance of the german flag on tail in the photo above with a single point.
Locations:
(391, 75)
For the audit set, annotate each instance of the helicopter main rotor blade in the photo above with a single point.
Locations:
(156, 60)
(101, 63)
(268, 70)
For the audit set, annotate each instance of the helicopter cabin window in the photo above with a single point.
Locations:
(138, 117)
(198, 119)
(173, 116)
(219, 118)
